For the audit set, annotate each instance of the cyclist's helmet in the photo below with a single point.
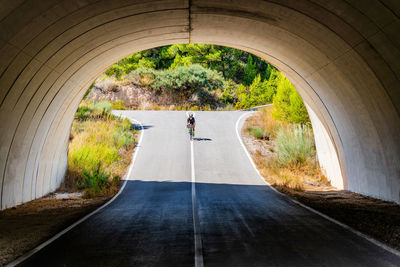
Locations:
(190, 115)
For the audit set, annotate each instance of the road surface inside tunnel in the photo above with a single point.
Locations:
(227, 217)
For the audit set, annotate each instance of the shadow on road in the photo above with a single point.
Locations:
(202, 139)
(138, 127)
(151, 224)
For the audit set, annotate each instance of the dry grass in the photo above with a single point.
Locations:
(99, 151)
(299, 176)
(306, 183)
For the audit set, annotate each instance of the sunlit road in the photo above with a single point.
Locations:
(236, 218)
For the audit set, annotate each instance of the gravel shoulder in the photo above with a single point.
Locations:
(373, 217)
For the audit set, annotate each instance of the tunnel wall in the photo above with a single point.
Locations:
(343, 57)
(326, 152)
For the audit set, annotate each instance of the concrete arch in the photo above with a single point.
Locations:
(342, 56)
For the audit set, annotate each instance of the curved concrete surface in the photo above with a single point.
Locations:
(326, 153)
(241, 221)
(342, 56)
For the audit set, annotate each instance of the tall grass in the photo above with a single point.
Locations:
(269, 125)
(291, 158)
(295, 145)
(99, 150)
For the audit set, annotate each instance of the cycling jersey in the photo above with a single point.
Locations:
(191, 120)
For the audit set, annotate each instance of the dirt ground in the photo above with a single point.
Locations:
(373, 217)
(28, 225)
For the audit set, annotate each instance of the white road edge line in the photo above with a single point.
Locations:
(370, 239)
(44, 244)
(198, 247)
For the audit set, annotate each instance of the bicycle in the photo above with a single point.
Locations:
(191, 131)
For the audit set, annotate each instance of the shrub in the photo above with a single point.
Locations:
(115, 70)
(83, 113)
(102, 106)
(181, 81)
(122, 136)
(156, 107)
(89, 110)
(118, 105)
(257, 132)
(94, 179)
(207, 108)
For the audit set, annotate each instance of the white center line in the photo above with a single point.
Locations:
(198, 248)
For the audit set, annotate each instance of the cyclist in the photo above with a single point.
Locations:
(191, 122)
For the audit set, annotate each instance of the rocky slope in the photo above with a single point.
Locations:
(135, 96)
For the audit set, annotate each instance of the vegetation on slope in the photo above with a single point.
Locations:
(217, 77)
(99, 151)
(286, 156)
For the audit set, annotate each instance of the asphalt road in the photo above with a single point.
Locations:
(237, 219)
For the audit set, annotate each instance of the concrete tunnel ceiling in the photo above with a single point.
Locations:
(342, 56)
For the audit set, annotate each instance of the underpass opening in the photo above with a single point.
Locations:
(207, 77)
(346, 73)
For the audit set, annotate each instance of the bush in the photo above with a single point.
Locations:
(83, 113)
(228, 96)
(207, 108)
(257, 132)
(89, 110)
(116, 71)
(102, 106)
(295, 145)
(118, 105)
(181, 81)
(94, 179)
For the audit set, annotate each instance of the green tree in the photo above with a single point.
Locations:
(272, 83)
(298, 111)
(268, 72)
(250, 71)
(232, 63)
(243, 97)
(256, 94)
(288, 105)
